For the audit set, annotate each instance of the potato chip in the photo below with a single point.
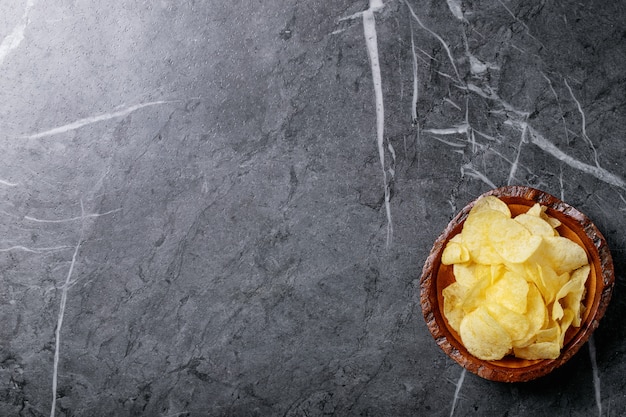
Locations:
(458, 238)
(518, 268)
(496, 271)
(539, 350)
(476, 236)
(510, 291)
(536, 210)
(535, 225)
(491, 203)
(575, 284)
(550, 334)
(512, 241)
(536, 313)
(519, 284)
(557, 310)
(540, 211)
(552, 221)
(574, 292)
(475, 296)
(454, 253)
(453, 296)
(468, 274)
(515, 324)
(563, 254)
(548, 281)
(483, 336)
(565, 323)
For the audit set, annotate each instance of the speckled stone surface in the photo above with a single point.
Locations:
(223, 208)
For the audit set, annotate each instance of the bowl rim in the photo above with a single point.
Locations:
(529, 370)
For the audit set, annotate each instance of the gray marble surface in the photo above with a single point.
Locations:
(222, 208)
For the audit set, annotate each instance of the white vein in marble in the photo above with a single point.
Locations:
(518, 20)
(600, 173)
(57, 335)
(457, 392)
(596, 377)
(21, 248)
(70, 219)
(371, 41)
(15, 38)
(461, 128)
(91, 120)
(517, 118)
(414, 120)
(8, 183)
(558, 102)
(583, 124)
(515, 163)
(469, 170)
(456, 9)
(443, 43)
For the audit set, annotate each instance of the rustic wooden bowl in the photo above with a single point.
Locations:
(575, 226)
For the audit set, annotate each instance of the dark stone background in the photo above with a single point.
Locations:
(216, 165)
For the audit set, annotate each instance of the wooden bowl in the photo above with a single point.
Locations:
(575, 226)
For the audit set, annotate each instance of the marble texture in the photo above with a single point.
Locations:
(222, 208)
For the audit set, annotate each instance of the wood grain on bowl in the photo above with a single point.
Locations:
(575, 226)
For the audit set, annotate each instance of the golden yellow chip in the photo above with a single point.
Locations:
(515, 324)
(453, 296)
(512, 241)
(536, 313)
(491, 203)
(536, 210)
(552, 222)
(565, 323)
(535, 225)
(539, 350)
(548, 281)
(476, 239)
(510, 291)
(469, 274)
(519, 284)
(551, 334)
(574, 293)
(483, 336)
(576, 284)
(475, 296)
(454, 253)
(557, 310)
(496, 271)
(563, 254)
(458, 238)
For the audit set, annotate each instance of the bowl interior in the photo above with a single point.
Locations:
(575, 226)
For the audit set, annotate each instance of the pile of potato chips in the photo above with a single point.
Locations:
(519, 284)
